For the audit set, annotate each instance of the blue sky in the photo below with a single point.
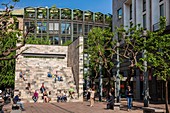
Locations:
(104, 6)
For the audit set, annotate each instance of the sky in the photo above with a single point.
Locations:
(103, 6)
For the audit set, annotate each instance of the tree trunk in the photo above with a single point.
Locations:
(108, 90)
(166, 96)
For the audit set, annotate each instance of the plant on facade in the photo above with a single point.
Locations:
(40, 41)
(66, 13)
(54, 12)
(88, 16)
(78, 15)
(42, 13)
(9, 36)
(29, 12)
(67, 42)
(99, 44)
(98, 17)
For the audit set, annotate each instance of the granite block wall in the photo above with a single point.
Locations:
(75, 60)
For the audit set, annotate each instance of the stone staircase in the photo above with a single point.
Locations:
(38, 77)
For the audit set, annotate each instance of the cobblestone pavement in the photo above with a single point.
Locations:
(78, 107)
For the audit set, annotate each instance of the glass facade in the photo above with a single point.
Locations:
(61, 25)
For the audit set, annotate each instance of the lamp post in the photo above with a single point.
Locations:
(145, 84)
(100, 83)
(117, 76)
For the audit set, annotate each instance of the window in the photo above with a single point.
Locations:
(50, 26)
(144, 5)
(41, 27)
(28, 26)
(130, 11)
(62, 40)
(56, 40)
(119, 13)
(131, 24)
(161, 10)
(54, 28)
(90, 27)
(68, 27)
(74, 28)
(144, 21)
(86, 29)
(80, 29)
(65, 28)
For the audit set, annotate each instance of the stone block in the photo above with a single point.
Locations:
(116, 106)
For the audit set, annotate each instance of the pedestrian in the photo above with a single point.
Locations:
(110, 101)
(35, 96)
(129, 94)
(92, 95)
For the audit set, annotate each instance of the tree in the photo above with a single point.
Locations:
(158, 55)
(157, 46)
(9, 36)
(99, 44)
(131, 46)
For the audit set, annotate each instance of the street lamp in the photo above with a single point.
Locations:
(145, 84)
(117, 75)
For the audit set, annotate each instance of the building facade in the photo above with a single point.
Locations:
(146, 13)
(61, 25)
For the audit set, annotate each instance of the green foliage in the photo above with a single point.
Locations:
(158, 52)
(68, 42)
(40, 41)
(7, 73)
(8, 38)
(99, 45)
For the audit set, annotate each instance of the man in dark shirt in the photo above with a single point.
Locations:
(110, 102)
(17, 100)
(129, 95)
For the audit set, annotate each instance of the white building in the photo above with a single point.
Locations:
(147, 13)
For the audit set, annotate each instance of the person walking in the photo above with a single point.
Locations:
(92, 95)
(129, 95)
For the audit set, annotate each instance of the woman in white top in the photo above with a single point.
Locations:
(92, 94)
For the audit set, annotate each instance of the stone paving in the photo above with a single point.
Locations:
(82, 107)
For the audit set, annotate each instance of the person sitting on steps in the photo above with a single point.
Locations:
(59, 96)
(35, 96)
(17, 101)
(71, 92)
(45, 96)
(28, 88)
(21, 75)
(64, 96)
(42, 89)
